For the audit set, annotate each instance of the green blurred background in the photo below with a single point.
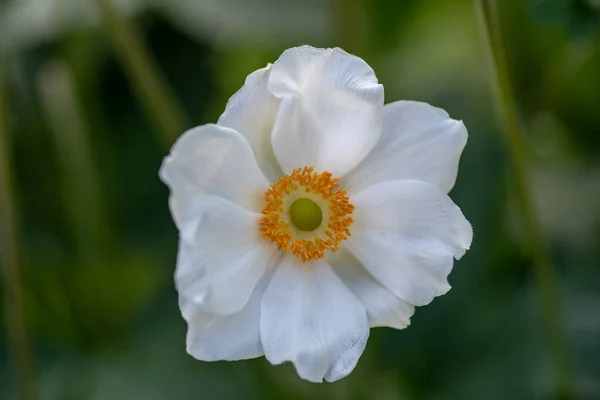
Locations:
(97, 245)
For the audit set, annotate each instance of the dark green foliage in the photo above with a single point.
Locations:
(103, 313)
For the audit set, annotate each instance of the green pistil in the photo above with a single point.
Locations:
(306, 215)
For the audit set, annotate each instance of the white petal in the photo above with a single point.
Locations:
(191, 274)
(418, 142)
(406, 233)
(330, 113)
(251, 111)
(212, 337)
(309, 317)
(383, 308)
(223, 255)
(212, 160)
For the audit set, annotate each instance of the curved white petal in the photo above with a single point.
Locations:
(418, 141)
(212, 160)
(407, 233)
(222, 255)
(330, 112)
(251, 111)
(383, 308)
(212, 337)
(309, 317)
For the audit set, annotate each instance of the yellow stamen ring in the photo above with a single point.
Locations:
(287, 199)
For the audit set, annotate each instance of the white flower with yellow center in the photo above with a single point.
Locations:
(311, 212)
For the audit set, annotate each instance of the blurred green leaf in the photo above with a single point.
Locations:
(579, 17)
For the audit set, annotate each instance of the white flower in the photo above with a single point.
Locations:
(311, 212)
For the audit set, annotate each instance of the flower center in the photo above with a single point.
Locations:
(306, 213)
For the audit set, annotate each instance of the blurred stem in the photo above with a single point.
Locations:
(141, 68)
(81, 188)
(9, 248)
(546, 280)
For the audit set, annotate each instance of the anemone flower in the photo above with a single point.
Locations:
(310, 213)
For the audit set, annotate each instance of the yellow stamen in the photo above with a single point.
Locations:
(321, 188)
